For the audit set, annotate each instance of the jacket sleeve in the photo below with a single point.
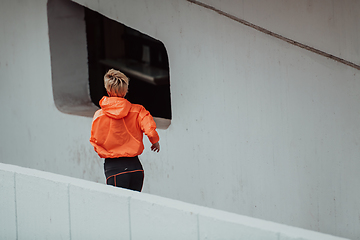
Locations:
(97, 136)
(148, 125)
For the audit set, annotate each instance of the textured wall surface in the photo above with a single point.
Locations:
(34, 133)
(330, 26)
(259, 127)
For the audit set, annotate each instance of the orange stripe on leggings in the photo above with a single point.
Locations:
(121, 174)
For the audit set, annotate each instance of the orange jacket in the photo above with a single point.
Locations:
(117, 128)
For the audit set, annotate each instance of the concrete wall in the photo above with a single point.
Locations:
(260, 127)
(41, 205)
(34, 132)
(330, 26)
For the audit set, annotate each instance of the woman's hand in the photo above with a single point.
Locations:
(155, 147)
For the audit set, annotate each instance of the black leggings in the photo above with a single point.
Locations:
(125, 172)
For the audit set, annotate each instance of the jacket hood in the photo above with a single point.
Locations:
(115, 107)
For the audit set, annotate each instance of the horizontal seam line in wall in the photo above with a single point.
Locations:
(288, 40)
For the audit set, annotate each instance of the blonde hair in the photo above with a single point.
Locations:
(116, 83)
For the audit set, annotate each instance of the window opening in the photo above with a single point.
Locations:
(85, 44)
(142, 58)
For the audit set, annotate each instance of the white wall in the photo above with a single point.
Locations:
(330, 26)
(34, 133)
(260, 127)
(41, 205)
